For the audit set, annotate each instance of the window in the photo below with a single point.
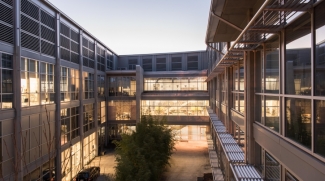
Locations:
(122, 86)
(298, 57)
(69, 124)
(271, 66)
(100, 59)
(176, 63)
(272, 168)
(174, 107)
(161, 64)
(88, 123)
(175, 84)
(132, 63)
(238, 88)
(319, 84)
(37, 82)
(147, 64)
(121, 110)
(6, 79)
(69, 84)
(101, 85)
(109, 61)
(298, 123)
(88, 53)
(192, 63)
(88, 85)
(101, 112)
(319, 127)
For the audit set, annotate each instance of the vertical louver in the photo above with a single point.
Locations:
(69, 44)
(6, 21)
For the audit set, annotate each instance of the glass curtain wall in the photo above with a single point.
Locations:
(37, 82)
(122, 86)
(69, 84)
(69, 124)
(88, 122)
(6, 80)
(175, 84)
(88, 85)
(121, 110)
(174, 107)
(238, 87)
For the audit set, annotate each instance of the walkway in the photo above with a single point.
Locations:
(189, 161)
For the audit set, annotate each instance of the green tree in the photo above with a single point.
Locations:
(144, 154)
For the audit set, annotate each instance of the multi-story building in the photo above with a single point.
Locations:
(266, 84)
(65, 95)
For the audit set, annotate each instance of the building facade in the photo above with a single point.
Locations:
(266, 83)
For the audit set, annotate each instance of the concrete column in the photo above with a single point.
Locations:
(249, 58)
(17, 136)
(57, 99)
(96, 99)
(81, 98)
(139, 88)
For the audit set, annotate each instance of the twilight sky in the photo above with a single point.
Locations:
(142, 26)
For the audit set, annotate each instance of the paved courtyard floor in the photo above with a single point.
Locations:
(189, 161)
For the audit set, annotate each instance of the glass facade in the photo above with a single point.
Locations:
(101, 85)
(6, 81)
(88, 86)
(101, 112)
(174, 107)
(121, 110)
(298, 121)
(69, 124)
(122, 86)
(238, 88)
(88, 117)
(69, 84)
(37, 82)
(298, 57)
(175, 84)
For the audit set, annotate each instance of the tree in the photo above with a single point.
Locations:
(144, 154)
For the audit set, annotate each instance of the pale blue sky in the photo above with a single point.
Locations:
(142, 26)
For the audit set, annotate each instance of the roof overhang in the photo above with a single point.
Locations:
(235, 12)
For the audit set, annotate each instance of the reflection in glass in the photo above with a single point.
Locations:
(174, 107)
(320, 127)
(175, 84)
(272, 108)
(272, 168)
(121, 110)
(6, 81)
(271, 65)
(290, 177)
(122, 86)
(298, 123)
(320, 50)
(298, 56)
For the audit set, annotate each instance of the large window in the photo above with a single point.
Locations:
(122, 86)
(101, 85)
(69, 124)
(272, 168)
(298, 123)
(238, 87)
(69, 84)
(319, 84)
(101, 112)
(270, 73)
(298, 57)
(174, 107)
(320, 127)
(6, 79)
(88, 123)
(175, 84)
(37, 82)
(88, 85)
(121, 110)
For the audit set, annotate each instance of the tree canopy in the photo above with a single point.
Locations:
(144, 154)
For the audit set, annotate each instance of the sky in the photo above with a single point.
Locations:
(142, 26)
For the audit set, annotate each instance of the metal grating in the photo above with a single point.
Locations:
(47, 20)
(47, 48)
(65, 54)
(192, 63)
(29, 25)
(30, 9)
(65, 30)
(6, 22)
(74, 46)
(6, 14)
(64, 42)
(176, 63)
(161, 64)
(74, 58)
(6, 33)
(85, 62)
(30, 42)
(74, 36)
(8, 2)
(47, 34)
